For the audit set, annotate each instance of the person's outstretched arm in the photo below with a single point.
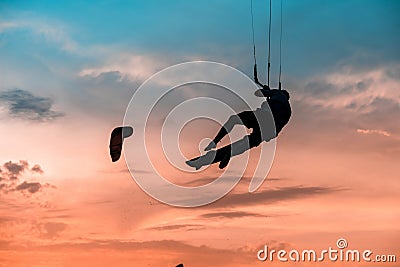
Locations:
(263, 92)
(257, 82)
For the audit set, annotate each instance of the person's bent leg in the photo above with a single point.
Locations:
(221, 155)
(224, 154)
(225, 129)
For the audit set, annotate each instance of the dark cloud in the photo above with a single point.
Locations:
(384, 105)
(273, 195)
(201, 181)
(228, 179)
(107, 78)
(231, 214)
(37, 169)
(52, 229)
(12, 177)
(179, 251)
(329, 109)
(322, 89)
(30, 187)
(99, 202)
(186, 227)
(96, 94)
(5, 219)
(314, 124)
(15, 169)
(318, 88)
(393, 72)
(23, 104)
(4, 244)
(121, 245)
(382, 113)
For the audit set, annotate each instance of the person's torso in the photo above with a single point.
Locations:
(280, 109)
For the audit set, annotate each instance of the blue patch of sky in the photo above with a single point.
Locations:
(318, 34)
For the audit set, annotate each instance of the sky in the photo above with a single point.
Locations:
(68, 71)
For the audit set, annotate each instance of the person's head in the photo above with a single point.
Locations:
(265, 87)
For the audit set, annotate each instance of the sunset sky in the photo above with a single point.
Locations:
(68, 71)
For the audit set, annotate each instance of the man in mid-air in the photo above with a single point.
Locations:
(259, 120)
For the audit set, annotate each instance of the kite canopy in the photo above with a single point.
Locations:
(117, 139)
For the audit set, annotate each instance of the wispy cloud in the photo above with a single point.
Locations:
(373, 131)
(231, 214)
(354, 89)
(51, 230)
(52, 32)
(135, 67)
(37, 168)
(8, 25)
(208, 179)
(4, 219)
(14, 169)
(273, 195)
(168, 252)
(25, 105)
(348, 99)
(11, 178)
(185, 227)
(30, 187)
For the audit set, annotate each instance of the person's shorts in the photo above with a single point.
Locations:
(249, 119)
(262, 124)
